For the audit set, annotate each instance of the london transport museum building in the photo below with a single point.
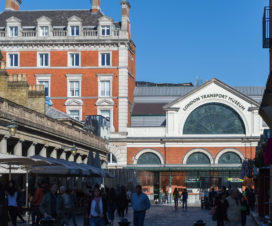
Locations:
(174, 136)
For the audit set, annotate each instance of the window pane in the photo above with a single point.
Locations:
(106, 114)
(107, 88)
(108, 59)
(103, 59)
(74, 114)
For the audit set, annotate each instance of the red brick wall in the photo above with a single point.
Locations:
(176, 155)
(59, 80)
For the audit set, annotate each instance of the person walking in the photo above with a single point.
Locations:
(221, 209)
(72, 200)
(52, 205)
(176, 197)
(67, 206)
(184, 199)
(244, 209)
(38, 197)
(140, 204)
(122, 202)
(234, 208)
(96, 209)
(12, 202)
(111, 204)
(2, 205)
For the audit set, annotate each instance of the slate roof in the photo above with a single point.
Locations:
(58, 17)
(54, 113)
(181, 91)
(140, 109)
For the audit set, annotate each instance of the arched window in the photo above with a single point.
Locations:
(198, 158)
(149, 159)
(214, 118)
(230, 158)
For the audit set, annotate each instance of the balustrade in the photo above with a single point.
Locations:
(29, 33)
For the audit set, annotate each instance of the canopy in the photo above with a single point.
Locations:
(70, 169)
(21, 161)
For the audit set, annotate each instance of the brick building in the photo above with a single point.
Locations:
(85, 59)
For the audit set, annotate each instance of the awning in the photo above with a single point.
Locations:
(166, 168)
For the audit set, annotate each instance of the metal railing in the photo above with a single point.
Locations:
(267, 29)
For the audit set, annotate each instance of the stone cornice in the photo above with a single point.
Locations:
(35, 121)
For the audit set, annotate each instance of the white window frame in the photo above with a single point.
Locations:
(101, 78)
(105, 28)
(100, 59)
(71, 29)
(8, 60)
(74, 108)
(74, 78)
(69, 59)
(44, 77)
(10, 33)
(39, 62)
(41, 32)
(107, 108)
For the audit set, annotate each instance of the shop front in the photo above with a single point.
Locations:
(160, 182)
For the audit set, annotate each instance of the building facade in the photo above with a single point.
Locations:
(85, 59)
(194, 137)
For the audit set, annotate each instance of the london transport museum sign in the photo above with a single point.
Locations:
(215, 95)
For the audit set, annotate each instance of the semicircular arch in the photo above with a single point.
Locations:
(145, 151)
(197, 150)
(228, 150)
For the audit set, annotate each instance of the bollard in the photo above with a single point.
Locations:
(200, 223)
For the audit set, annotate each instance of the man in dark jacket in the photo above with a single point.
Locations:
(52, 205)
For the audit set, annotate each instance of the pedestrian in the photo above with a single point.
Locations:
(234, 208)
(72, 200)
(140, 204)
(176, 197)
(244, 209)
(221, 209)
(38, 197)
(252, 199)
(212, 197)
(87, 206)
(111, 204)
(184, 199)
(52, 205)
(2, 205)
(13, 195)
(96, 210)
(67, 206)
(122, 202)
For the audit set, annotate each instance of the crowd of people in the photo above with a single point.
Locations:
(230, 206)
(51, 203)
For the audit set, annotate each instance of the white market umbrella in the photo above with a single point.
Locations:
(23, 162)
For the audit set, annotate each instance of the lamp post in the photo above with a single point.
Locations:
(12, 127)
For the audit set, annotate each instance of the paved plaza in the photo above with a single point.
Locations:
(167, 216)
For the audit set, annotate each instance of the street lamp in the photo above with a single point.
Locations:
(12, 127)
(74, 150)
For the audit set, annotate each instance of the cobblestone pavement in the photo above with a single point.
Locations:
(167, 216)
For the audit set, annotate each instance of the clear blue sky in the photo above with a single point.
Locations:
(179, 40)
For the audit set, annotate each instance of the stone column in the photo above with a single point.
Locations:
(79, 159)
(4, 145)
(43, 152)
(31, 150)
(71, 158)
(63, 155)
(54, 154)
(85, 161)
(18, 149)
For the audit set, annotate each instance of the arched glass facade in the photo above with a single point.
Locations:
(149, 158)
(230, 158)
(198, 158)
(214, 118)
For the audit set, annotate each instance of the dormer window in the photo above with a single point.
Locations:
(74, 30)
(13, 31)
(44, 31)
(105, 30)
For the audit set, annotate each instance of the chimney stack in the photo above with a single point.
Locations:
(125, 15)
(95, 6)
(13, 4)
